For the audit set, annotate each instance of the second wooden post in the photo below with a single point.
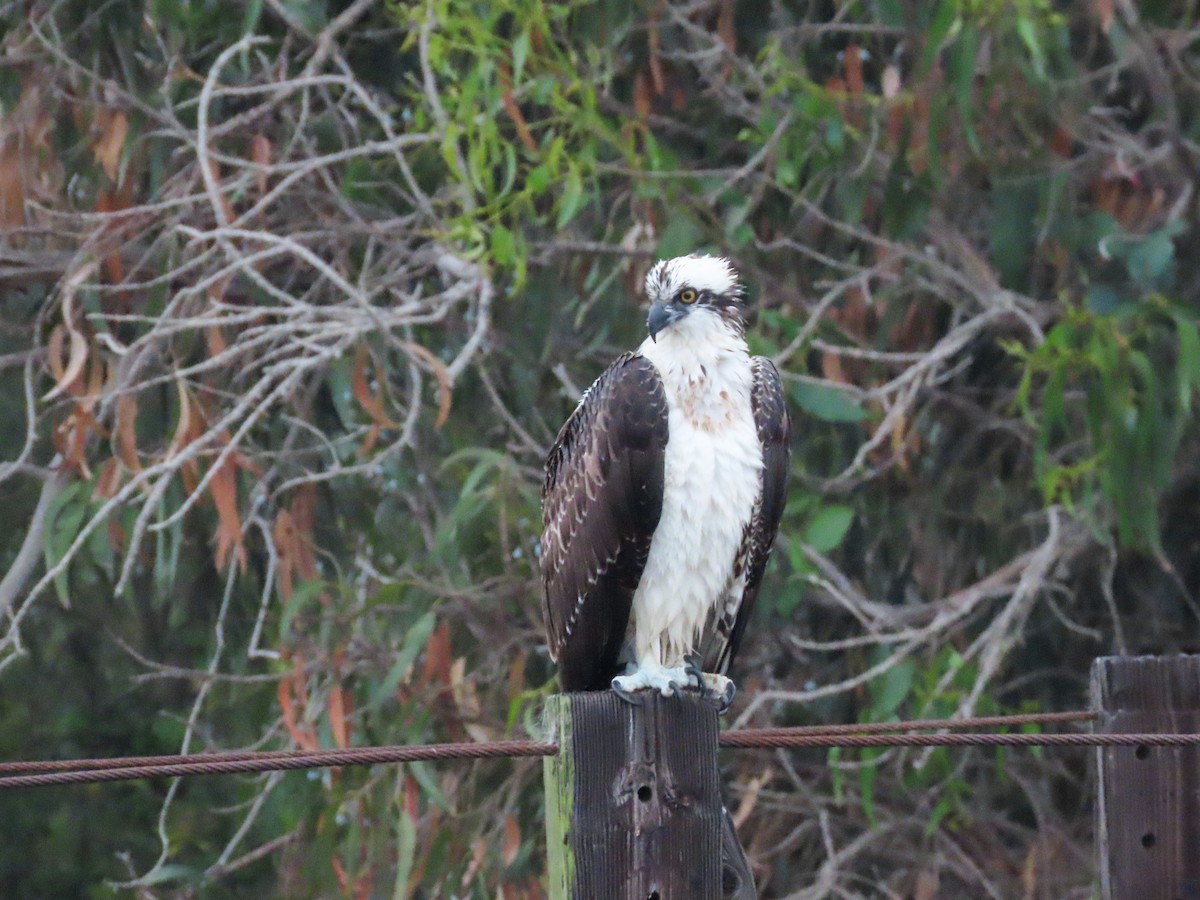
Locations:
(1148, 809)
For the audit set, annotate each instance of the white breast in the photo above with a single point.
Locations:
(712, 471)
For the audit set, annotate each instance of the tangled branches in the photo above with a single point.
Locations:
(235, 290)
(296, 297)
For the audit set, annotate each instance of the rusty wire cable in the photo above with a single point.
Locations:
(237, 763)
(129, 762)
(878, 734)
(748, 738)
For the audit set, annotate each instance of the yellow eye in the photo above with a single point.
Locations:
(687, 295)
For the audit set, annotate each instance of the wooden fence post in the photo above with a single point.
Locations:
(1148, 798)
(633, 800)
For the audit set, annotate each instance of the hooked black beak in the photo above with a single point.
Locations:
(660, 317)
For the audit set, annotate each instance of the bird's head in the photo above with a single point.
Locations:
(689, 286)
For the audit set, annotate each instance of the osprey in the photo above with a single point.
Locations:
(662, 497)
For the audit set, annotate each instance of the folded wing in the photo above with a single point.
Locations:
(601, 502)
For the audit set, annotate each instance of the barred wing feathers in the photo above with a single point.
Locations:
(601, 502)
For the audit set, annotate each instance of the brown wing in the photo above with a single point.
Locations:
(774, 434)
(600, 505)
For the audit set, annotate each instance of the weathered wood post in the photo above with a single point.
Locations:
(1148, 798)
(633, 799)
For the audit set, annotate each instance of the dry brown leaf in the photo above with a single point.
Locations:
(441, 373)
(300, 676)
(184, 427)
(283, 533)
(436, 674)
(898, 437)
(514, 111)
(339, 872)
(372, 403)
(1061, 143)
(65, 376)
(70, 442)
(479, 849)
(341, 703)
(112, 265)
(927, 885)
(109, 481)
(366, 881)
(214, 339)
(512, 841)
(71, 435)
(465, 696)
(642, 99)
(1029, 871)
(222, 487)
(339, 716)
(292, 693)
(28, 164)
(116, 535)
(368, 445)
(831, 368)
(905, 444)
(654, 40)
(516, 675)
(192, 426)
(260, 152)
(95, 384)
(301, 735)
(107, 147)
(292, 535)
(436, 670)
(412, 798)
(466, 700)
(125, 433)
(918, 148)
(304, 515)
(725, 29)
(12, 184)
(854, 70)
(54, 348)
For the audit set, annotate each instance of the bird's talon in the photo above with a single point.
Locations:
(630, 697)
(724, 700)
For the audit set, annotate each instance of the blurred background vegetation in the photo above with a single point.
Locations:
(294, 295)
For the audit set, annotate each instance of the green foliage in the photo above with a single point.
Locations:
(1138, 370)
(827, 403)
(935, 689)
(523, 136)
(827, 528)
(963, 226)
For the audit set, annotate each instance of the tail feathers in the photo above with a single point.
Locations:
(737, 881)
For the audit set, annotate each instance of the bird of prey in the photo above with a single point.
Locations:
(662, 497)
